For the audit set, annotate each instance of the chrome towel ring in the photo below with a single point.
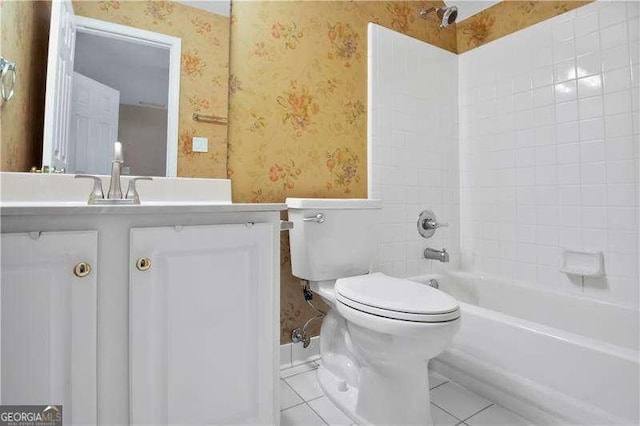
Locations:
(7, 79)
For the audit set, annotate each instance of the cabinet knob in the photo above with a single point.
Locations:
(81, 269)
(143, 264)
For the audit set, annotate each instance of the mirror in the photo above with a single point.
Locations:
(152, 75)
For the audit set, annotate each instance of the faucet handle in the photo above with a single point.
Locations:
(96, 192)
(132, 192)
(427, 224)
(431, 223)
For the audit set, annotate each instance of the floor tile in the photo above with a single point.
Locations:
(436, 379)
(496, 416)
(302, 368)
(288, 398)
(442, 418)
(301, 415)
(457, 400)
(306, 385)
(329, 412)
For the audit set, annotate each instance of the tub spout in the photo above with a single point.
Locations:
(439, 255)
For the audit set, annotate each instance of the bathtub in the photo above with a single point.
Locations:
(553, 357)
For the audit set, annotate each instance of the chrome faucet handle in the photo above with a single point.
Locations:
(430, 223)
(427, 224)
(96, 192)
(132, 191)
(319, 218)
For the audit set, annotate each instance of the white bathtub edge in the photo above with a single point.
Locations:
(536, 403)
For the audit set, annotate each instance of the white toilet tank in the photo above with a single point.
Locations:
(339, 241)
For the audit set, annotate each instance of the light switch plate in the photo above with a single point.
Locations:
(200, 145)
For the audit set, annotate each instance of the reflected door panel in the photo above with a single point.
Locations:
(94, 125)
(58, 95)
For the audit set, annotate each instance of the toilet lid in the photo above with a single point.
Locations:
(395, 298)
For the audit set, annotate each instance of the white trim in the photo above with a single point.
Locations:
(293, 354)
(49, 99)
(148, 38)
(285, 356)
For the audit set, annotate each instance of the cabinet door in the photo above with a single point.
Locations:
(202, 325)
(48, 321)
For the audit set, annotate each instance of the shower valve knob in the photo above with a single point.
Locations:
(427, 224)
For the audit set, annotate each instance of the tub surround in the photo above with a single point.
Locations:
(413, 149)
(548, 160)
(549, 151)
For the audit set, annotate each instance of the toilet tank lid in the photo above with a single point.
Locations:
(333, 203)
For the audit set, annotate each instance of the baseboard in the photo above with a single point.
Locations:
(292, 354)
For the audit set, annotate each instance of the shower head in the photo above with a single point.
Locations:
(447, 15)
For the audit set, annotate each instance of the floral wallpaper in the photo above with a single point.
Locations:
(508, 17)
(298, 122)
(205, 67)
(24, 40)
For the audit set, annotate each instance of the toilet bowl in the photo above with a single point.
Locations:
(380, 332)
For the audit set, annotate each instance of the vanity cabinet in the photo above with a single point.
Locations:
(199, 342)
(48, 295)
(189, 335)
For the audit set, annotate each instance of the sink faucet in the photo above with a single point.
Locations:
(439, 255)
(115, 190)
(114, 196)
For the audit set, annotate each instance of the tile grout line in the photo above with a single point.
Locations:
(480, 411)
(302, 372)
(437, 386)
(317, 414)
(455, 417)
(293, 406)
(294, 391)
(317, 397)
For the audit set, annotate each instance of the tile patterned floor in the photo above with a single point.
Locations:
(304, 404)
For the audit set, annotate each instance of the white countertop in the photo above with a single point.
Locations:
(20, 208)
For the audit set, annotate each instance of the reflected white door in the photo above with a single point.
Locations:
(48, 320)
(202, 325)
(94, 125)
(62, 36)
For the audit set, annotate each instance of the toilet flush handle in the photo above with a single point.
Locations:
(319, 218)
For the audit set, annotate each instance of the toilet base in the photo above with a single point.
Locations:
(346, 398)
(343, 399)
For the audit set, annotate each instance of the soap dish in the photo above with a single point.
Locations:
(586, 264)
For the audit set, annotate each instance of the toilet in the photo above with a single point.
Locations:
(380, 332)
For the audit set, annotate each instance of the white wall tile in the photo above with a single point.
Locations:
(420, 171)
(567, 128)
(589, 86)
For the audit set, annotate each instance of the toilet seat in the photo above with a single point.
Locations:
(384, 296)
